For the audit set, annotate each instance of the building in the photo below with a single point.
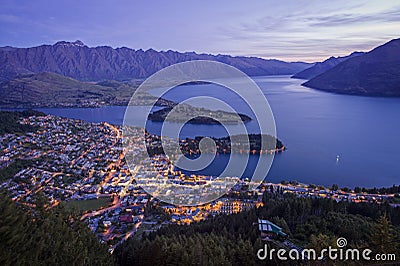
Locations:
(270, 230)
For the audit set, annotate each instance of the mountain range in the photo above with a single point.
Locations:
(73, 74)
(375, 73)
(77, 60)
(324, 66)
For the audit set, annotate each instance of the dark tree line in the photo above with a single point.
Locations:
(383, 190)
(9, 121)
(46, 237)
(235, 239)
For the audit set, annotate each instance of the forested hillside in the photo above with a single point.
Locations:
(235, 240)
(46, 237)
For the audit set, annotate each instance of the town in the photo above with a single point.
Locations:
(83, 165)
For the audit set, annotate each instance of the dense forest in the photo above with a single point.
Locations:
(46, 237)
(235, 239)
(9, 121)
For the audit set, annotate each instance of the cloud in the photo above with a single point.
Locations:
(289, 30)
(312, 34)
(351, 18)
(9, 18)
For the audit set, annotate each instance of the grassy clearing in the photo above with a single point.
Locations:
(90, 204)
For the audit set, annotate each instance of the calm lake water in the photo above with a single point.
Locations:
(315, 126)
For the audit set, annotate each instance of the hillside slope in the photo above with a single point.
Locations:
(53, 90)
(324, 66)
(376, 73)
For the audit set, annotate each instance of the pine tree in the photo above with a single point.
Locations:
(382, 239)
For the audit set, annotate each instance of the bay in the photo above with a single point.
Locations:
(315, 126)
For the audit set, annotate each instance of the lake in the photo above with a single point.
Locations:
(315, 126)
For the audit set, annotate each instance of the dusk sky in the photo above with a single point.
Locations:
(286, 30)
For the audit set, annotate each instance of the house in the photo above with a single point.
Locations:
(270, 230)
(126, 218)
(106, 223)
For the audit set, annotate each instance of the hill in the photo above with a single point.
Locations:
(53, 90)
(9, 122)
(46, 237)
(78, 61)
(376, 73)
(235, 239)
(324, 66)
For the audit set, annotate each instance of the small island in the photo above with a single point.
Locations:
(197, 115)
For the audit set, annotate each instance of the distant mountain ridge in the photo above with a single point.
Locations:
(375, 73)
(78, 61)
(324, 66)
